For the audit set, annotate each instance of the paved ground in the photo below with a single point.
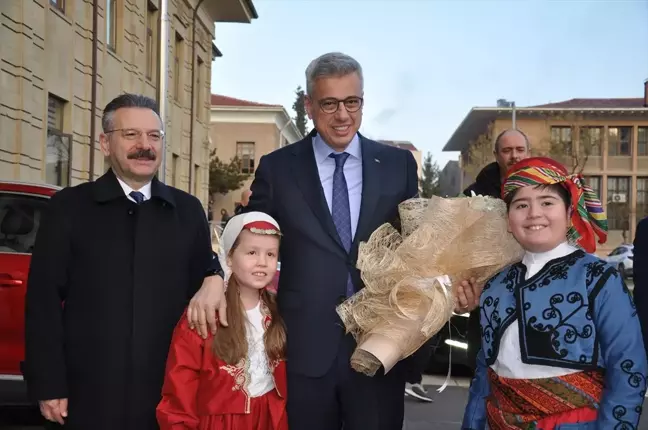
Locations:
(444, 414)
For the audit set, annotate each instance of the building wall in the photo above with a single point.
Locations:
(225, 136)
(600, 169)
(450, 180)
(47, 53)
(419, 162)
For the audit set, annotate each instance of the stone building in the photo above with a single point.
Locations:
(606, 140)
(61, 61)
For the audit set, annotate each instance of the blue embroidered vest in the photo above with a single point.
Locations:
(553, 309)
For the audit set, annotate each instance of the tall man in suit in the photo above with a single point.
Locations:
(329, 192)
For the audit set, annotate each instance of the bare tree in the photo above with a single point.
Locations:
(479, 153)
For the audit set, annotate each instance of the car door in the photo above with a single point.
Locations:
(19, 219)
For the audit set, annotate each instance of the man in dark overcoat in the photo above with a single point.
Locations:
(115, 263)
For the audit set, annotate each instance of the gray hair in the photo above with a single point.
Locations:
(126, 100)
(333, 64)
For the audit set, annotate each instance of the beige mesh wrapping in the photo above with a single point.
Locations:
(404, 302)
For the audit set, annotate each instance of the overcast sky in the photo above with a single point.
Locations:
(428, 62)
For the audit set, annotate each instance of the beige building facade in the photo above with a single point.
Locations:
(604, 139)
(246, 130)
(61, 67)
(408, 146)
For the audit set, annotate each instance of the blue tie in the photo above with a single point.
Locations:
(340, 210)
(137, 196)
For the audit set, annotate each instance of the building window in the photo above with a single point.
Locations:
(111, 25)
(196, 176)
(561, 137)
(59, 4)
(199, 90)
(618, 203)
(591, 139)
(175, 170)
(178, 58)
(642, 141)
(245, 155)
(59, 145)
(151, 41)
(619, 140)
(594, 182)
(642, 198)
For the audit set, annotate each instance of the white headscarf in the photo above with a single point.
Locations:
(235, 226)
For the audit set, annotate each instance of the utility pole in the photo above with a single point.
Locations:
(163, 78)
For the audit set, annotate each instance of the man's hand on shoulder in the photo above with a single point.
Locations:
(208, 307)
(54, 410)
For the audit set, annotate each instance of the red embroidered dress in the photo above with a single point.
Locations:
(203, 392)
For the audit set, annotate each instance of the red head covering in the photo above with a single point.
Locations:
(588, 217)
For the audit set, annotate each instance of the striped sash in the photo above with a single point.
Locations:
(543, 403)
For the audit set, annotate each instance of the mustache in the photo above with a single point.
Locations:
(142, 153)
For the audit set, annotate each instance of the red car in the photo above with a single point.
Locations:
(21, 206)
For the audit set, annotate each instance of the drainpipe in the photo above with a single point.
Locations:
(163, 77)
(93, 90)
(193, 92)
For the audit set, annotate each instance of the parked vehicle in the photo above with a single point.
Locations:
(450, 346)
(21, 207)
(623, 258)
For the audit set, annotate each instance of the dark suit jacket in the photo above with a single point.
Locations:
(314, 264)
(107, 284)
(640, 273)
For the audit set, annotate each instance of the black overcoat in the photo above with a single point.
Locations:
(108, 282)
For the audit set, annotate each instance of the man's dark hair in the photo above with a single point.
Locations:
(508, 130)
(126, 100)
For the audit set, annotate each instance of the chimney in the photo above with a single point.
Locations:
(646, 93)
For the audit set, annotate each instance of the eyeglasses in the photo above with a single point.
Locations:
(331, 105)
(134, 134)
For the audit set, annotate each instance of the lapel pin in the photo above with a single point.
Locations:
(376, 160)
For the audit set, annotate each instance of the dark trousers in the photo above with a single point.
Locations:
(344, 398)
(418, 362)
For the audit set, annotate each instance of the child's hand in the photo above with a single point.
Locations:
(209, 300)
(467, 296)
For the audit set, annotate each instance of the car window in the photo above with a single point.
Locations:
(20, 216)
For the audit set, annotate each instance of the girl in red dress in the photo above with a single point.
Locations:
(235, 379)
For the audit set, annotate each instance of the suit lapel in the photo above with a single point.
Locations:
(371, 180)
(308, 180)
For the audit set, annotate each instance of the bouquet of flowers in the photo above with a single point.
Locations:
(409, 276)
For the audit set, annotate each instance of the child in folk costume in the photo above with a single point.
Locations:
(235, 379)
(561, 342)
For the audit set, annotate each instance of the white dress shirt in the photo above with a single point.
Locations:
(352, 174)
(145, 190)
(509, 358)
